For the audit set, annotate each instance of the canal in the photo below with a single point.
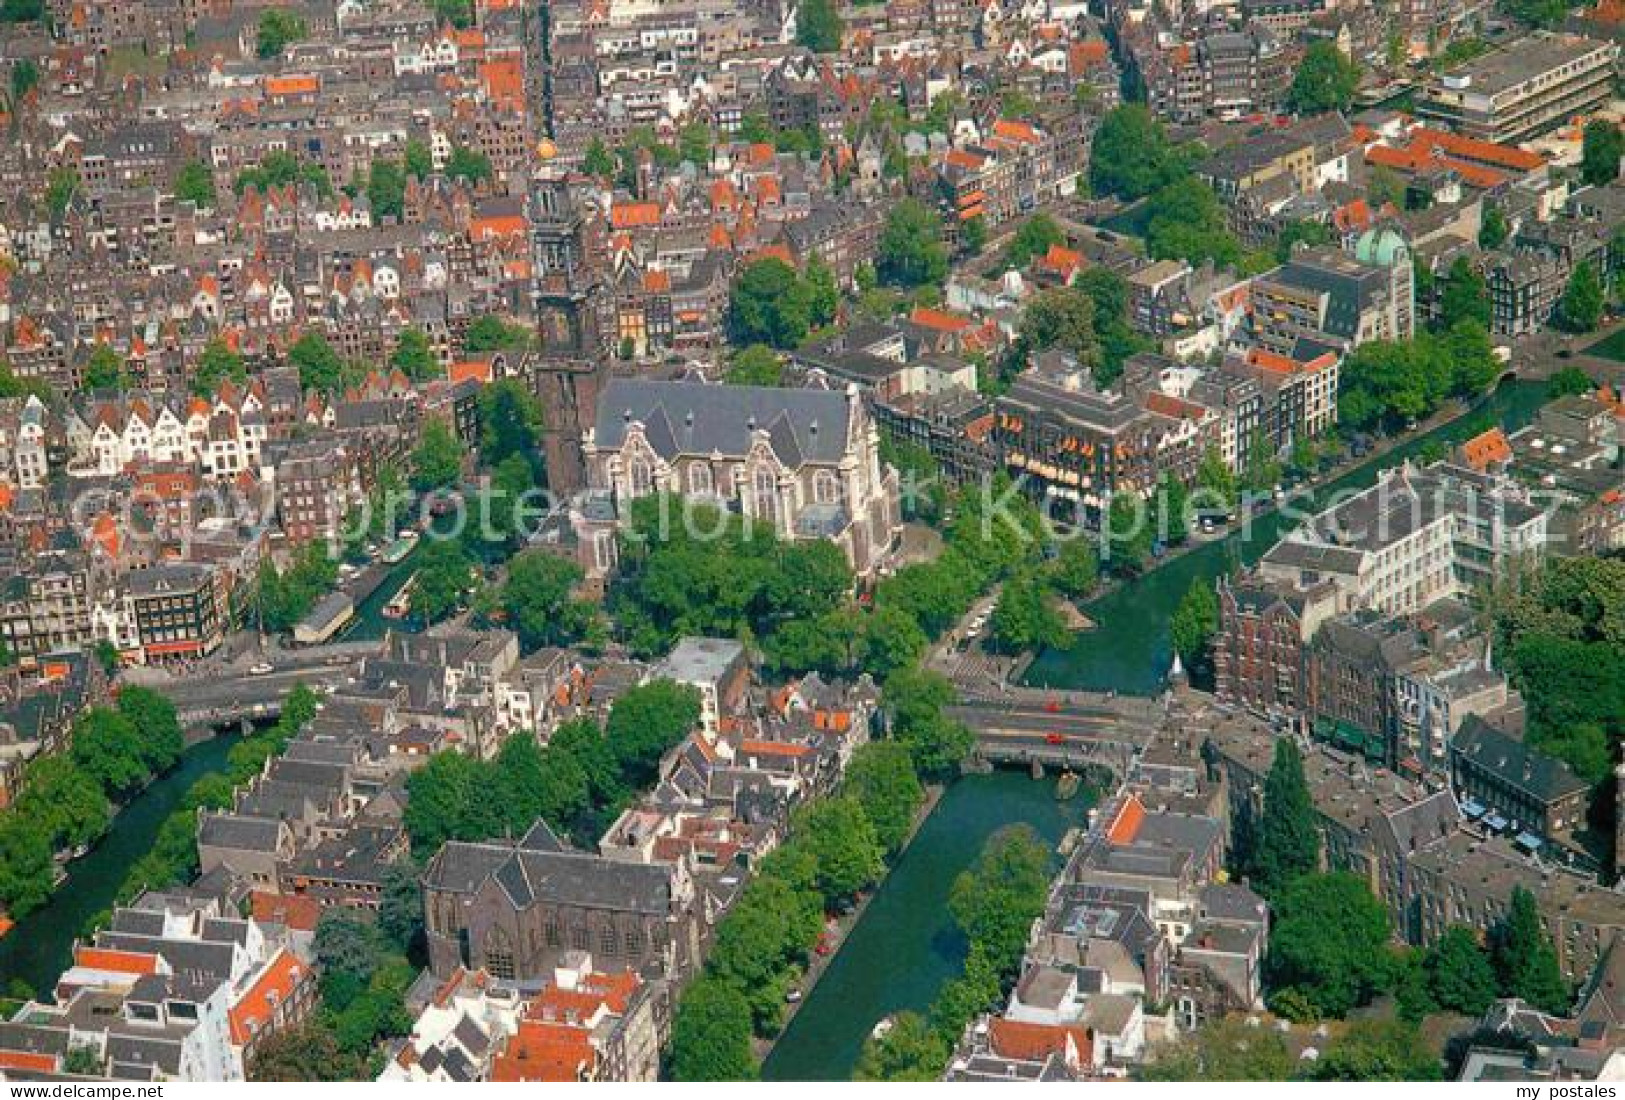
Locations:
(1129, 650)
(906, 945)
(40, 947)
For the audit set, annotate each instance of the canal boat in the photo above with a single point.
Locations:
(1066, 787)
(401, 603)
(398, 550)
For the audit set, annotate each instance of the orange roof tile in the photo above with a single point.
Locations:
(1035, 1042)
(634, 215)
(295, 911)
(295, 84)
(486, 229)
(479, 370)
(773, 748)
(1126, 825)
(121, 962)
(939, 320)
(257, 1007)
(545, 1052)
(27, 1060)
(1487, 449)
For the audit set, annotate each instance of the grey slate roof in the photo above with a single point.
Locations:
(697, 418)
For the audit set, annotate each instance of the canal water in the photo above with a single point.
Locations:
(1130, 651)
(40, 947)
(906, 945)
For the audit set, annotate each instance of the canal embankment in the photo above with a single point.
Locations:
(904, 945)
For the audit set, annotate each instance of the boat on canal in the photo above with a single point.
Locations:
(1066, 787)
(401, 602)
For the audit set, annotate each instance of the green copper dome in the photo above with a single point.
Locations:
(1379, 247)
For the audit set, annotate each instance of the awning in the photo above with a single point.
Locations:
(1473, 809)
(164, 649)
(1528, 840)
(1496, 822)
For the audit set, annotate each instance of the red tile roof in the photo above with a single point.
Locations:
(256, 1008)
(1126, 825)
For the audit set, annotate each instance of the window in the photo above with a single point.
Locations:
(642, 478)
(765, 493)
(608, 942)
(826, 487)
(700, 480)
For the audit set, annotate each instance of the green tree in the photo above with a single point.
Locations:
(26, 870)
(413, 356)
(194, 183)
(1195, 621)
(1288, 845)
(818, 26)
(437, 460)
(24, 77)
(156, 724)
(216, 365)
(538, 596)
(105, 370)
(1378, 1050)
(1328, 947)
(1131, 155)
(710, 1036)
(489, 332)
(1324, 81)
(1581, 306)
(441, 584)
(459, 13)
(319, 366)
(761, 944)
(510, 424)
(1186, 222)
(1225, 1049)
(308, 1052)
(386, 189)
(916, 699)
(977, 990)
(837, 833)
(997, 898)
(60, 188)
(278, 28)
(469, 165)
(973, 236)
(1024, 618)
(1602, 146)
(645, 723)
(1032, 239)
(280, 168)
(881, 778)
(1314, 234)
(1524, 959)
(823, 296)
(1064, 318)
(1128, 533)
(1568, 382)
(598, 160)
(911, 1051)
(417, 159)
(910, 252)
(1385, 188)
(107, 746)
(1215, 483)
(63, 802)
(756, 365)
(1077, 568)
(1465, 297)
(1459, 974)
(1493, 229)
(769, 304)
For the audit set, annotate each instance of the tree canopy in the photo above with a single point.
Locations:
(1329, 945)
(910, 252)
(1324, 81)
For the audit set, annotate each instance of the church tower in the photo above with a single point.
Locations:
(569, 369)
